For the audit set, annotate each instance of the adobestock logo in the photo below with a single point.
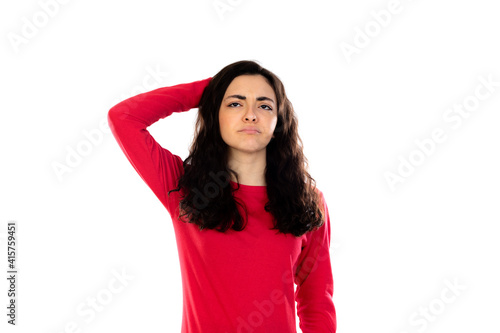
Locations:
(93, 305)
(363, 37)
(265, 308)
(95, 137)
(211, 189)
(223, 6)
(454, 117)
(430, 313)
(262, 309)
(39, 20)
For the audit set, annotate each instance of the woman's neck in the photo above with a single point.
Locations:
(250, 168)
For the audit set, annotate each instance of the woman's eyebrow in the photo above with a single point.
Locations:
(262, 98)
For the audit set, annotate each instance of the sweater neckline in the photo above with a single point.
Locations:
(249, 188)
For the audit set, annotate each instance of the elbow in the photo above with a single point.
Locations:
(116, 113)
(114, 116)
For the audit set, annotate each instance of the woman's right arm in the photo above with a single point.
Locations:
(128, 120)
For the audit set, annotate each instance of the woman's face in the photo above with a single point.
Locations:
(249, 102)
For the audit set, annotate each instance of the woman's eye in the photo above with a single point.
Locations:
(267, 107)
(234, 104)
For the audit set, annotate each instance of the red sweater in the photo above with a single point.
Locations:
(237, 281)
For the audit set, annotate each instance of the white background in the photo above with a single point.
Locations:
(393, 249)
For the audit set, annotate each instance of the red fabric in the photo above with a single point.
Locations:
(234, 281)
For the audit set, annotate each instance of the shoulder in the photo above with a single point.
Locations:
(321, 197)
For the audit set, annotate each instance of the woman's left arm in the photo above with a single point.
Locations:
(314, 281)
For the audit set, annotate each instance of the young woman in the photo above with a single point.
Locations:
(248, 219)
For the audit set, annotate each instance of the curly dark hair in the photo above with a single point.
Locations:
(294, 201)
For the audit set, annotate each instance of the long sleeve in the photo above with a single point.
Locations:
(314, 280)
(128, 120)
